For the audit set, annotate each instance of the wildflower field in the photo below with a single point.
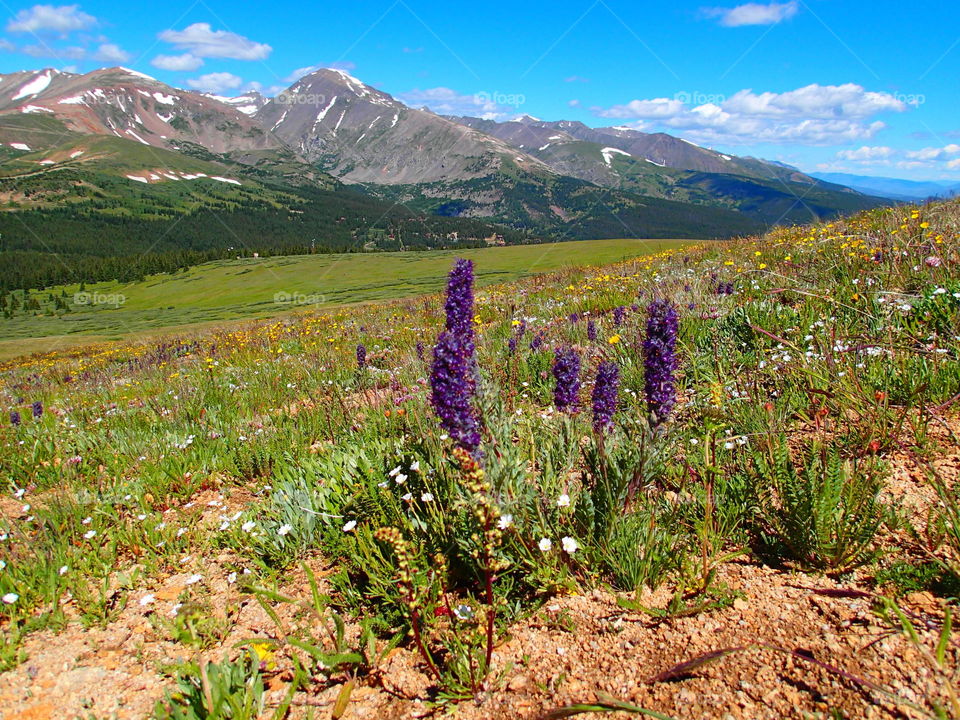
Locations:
(715, 481)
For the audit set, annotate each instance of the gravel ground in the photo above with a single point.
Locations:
(571, 650)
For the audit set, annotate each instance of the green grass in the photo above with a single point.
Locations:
(809, 366)
(236, 289)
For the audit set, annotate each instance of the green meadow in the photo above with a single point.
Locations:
(231, 290)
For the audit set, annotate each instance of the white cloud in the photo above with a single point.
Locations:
(177, 63)
(815, 101)
(444, 101)
(753, 13)
(301, 72)
(930, 154)
(45, 51)
(51, 19)
(7, 46)
(636, 109)
(217, 82)
(111, 53)
(345, 65)
(811, 115)
(867, 154)
(202, 41)
(931, 159)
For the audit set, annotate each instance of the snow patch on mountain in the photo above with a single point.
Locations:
(128, 71)
(35, 86)
(323, 113)
(609, 152)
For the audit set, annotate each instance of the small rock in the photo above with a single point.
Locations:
(517, 683)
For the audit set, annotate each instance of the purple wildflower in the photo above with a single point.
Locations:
(37, 409)
(591, 330)
(452, 389)
(420, 350)
(605, 389)
(566, 372)
(15, 418)
(452, 373)
(459, 305)
(618, 313)
(517, 337)
(537, 342)
(659, 359)
(361, 356)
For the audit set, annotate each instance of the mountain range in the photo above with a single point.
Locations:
(115, 163)
(893, 188)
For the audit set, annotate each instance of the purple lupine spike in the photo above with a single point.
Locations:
(537, 342)
(566, 372)
(618, 313)
(512, 344)
(420, 349)
(459, 305)
(591, 330)
(37, 408)
(361, 356)
(574, 318)
(659, 359)
(452, 372)
(605, 389)
(451, 384)
(15, 418)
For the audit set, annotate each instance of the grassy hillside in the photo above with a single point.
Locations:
(708, 480)
(232, 289)
(568, 208)
(766, 199)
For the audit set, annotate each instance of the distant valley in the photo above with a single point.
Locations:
(115, 175)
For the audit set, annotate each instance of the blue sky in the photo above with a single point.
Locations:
(841, 85)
